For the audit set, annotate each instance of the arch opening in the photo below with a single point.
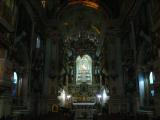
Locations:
(84, 70)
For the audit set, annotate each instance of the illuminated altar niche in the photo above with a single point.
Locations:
(84, 70)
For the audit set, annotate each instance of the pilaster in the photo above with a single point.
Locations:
(5, 87)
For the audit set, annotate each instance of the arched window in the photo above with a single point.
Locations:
(38, 42)
(151, 81)
(84, 70)
(141, 79)
(151, 78)
(14, 84)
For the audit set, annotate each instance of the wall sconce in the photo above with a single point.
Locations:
(68, 97)
(99, 96)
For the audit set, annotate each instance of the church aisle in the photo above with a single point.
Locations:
(79, 60)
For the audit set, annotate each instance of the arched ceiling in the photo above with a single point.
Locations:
(111, 7)
(79, 18)
(83, 26)
(90, 20)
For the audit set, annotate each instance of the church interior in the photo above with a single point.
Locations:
(79, 59)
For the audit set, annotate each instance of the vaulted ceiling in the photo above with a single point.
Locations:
(92, 21)
(111, 7)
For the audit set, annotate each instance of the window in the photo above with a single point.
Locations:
(14, 84)
(152, 92)
(38, 42)
(151, 78)
(84, 70)
(141, 88)
(151, 81)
